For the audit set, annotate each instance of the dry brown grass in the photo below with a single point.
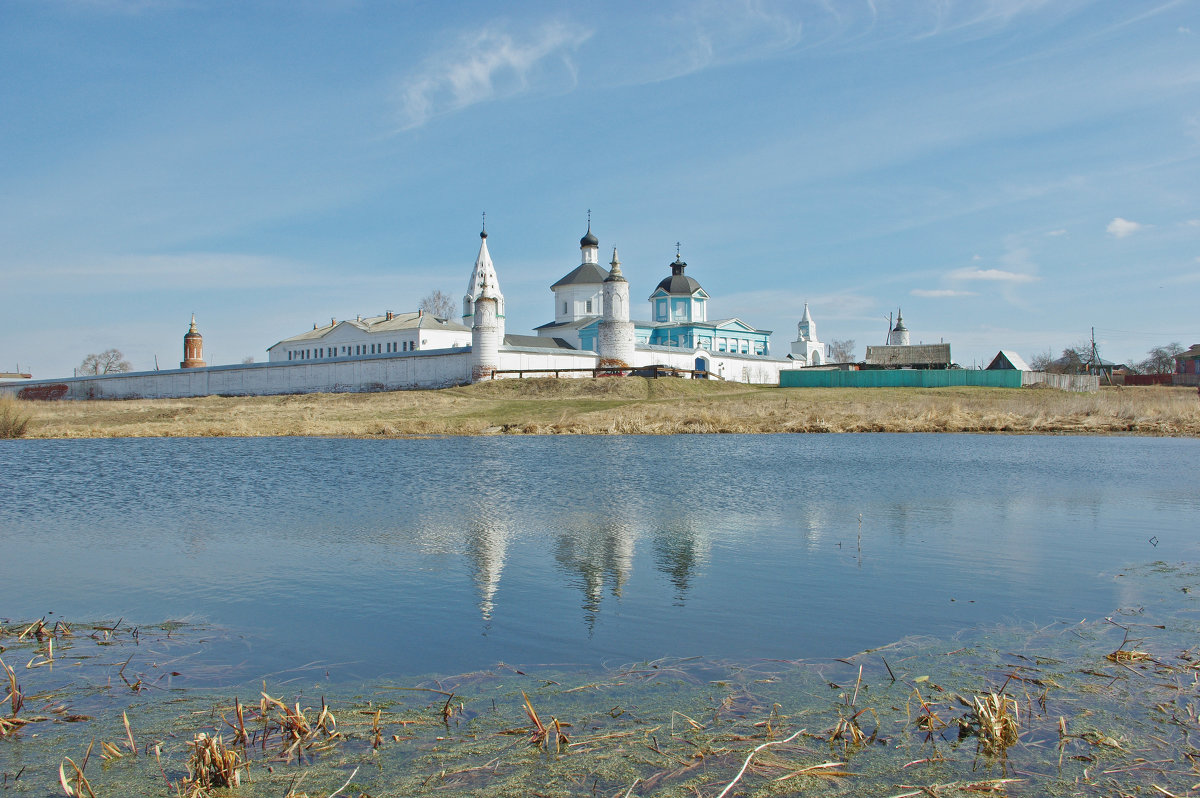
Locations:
(14, 417)
(631, 405)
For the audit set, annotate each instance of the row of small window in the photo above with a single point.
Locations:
(731, 345)
(587, 307)
(679, 309)
(358, 349)
(742, 346)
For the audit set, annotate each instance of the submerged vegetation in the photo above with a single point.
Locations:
(1104, 707)
(630, 406)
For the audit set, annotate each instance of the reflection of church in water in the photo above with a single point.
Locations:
(594, 557)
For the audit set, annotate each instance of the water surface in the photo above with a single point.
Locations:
(396, 557)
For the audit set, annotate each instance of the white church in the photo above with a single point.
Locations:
(593, 328)
(592, 318)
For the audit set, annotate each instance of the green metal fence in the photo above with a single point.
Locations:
(900, 378)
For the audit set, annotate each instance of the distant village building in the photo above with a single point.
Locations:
(193, 348)
(900, 354)
(1188, 362)
(1008, 359)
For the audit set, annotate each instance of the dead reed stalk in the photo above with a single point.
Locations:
(212, 764)
(76, 785)
(995, 718)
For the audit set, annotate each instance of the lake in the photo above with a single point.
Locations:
(402, 557)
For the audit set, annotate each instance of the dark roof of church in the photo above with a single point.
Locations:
(584, 273)
(679, 284)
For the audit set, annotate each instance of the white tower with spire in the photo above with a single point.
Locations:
(899, 334)
(616, 336)
(483, 268)
(807, 348)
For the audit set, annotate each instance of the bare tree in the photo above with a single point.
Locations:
(1076, 359)
(247, 360)
(841, 350)
(1043, 361)
(438, 304)
(110, 361)
(1161, 360)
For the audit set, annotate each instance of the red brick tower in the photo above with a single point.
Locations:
(193, 348)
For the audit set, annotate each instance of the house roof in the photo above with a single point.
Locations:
(918, 355)
(1008, 359)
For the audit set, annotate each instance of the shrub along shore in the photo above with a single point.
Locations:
(634, 405)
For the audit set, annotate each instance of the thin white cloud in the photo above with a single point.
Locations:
(137, 273)
(992, 275)
(489, 65)
(1120, 228)
(940, 293)
(1056, 233)
(1185, 30)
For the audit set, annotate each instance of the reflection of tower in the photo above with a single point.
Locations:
(596, 557)
(487, 548)
(679, 553)
(193, 348)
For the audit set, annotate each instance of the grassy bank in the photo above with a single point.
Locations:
(629, 406)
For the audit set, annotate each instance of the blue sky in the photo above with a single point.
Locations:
(1010, 172)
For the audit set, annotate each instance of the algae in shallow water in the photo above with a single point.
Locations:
(901, 720)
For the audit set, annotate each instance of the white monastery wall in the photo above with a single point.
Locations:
(542, 360)
(372, 373)
(754, 370)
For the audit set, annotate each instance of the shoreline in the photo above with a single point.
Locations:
(628, 406)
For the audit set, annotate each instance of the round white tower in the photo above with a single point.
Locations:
(616, 337)
(899, 334)
(485, 343)
(483, 268)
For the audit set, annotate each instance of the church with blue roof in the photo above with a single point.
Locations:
(678, 311)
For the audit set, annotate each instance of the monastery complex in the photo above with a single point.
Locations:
(592, 328)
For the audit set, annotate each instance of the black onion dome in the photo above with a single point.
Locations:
(589, 240)
(679, 284)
